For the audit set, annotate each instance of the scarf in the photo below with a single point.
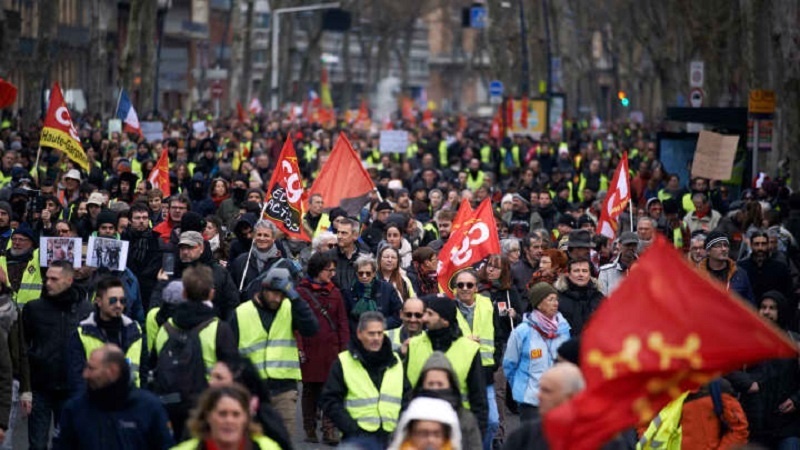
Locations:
(547, 327)
(364, 300)
(408, 445)
(218, 200)
(214, 243)
(263, 256)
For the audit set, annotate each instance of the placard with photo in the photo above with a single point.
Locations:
(106, 252)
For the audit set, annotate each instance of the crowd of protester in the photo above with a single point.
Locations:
(205, 336)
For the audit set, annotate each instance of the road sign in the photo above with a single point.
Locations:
(696, 97)
(696, 74)
(477, 17)
(496, 88)
(761, 104)
(216, 89)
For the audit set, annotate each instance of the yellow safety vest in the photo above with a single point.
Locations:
(4, 179)
(323, 224)
(151, 327)
(31, 286)
(582, 185)
(460, 354)
(411, 151)
(664, 432)
(677, 238)
(443, 160)
(394, 337)
(504, 170)
(486, 154)
(263, 442)
(208, 343)
(273, 352)
(133, 353)
(482, 327)
(309, 153)
(687, 203)
(372, 409)
(474, 183)
(432, 229)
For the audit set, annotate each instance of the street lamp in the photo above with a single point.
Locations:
(276, 26)
(163, 6)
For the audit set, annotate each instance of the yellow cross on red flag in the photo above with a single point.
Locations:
(59, 132)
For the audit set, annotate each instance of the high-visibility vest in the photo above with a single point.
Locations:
(151, 327)
(309, 153)
(677, 237)
(92, 341)
(486, 154)
(482, 327)
(664, 195)
(687, 203)
(664, 432)
(411, 151)
(474, 183)
(323, 224)
(460, 354)
(444, 161)
(394, 337)
(504, 169)
(582, 185)
(372, 409)
(31, 286)
(4, 179)
(430, 227)
(274, 351)
(208, 343)
(263, 443)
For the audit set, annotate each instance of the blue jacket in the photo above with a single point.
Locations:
(528, 356)
(139, 423)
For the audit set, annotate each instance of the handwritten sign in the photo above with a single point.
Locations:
(714, 155)
(199, 127)
(153, 131)
(114, 126)
(393, 141)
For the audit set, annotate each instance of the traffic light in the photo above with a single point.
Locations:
(623, 98)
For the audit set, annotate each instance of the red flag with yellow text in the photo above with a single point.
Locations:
(343, 181)
(59, 132)
(653, 339)
(285, 195)
(473, 238)
(159, 176)
(617, 199)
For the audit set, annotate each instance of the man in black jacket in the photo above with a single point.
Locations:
(48, 323)
(191, 250)
(144, 254)
(346, 253)
(765, 272)
(341, 399)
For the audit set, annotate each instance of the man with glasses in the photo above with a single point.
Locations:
(20, 266)
(144, 254)
(178, 205)
(411, 315)
(723, 269)
(105, 325)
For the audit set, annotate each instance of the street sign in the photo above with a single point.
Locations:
(761, 104)
(216, 89)
(696, 97)
(495, 92)
(477, 17)
(696, 74)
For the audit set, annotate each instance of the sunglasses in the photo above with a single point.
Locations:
(114, 300)
(365, 274)
(416, 315)
(331, 245)
(465, 285)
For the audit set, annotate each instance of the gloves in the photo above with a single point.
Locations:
(286, 286)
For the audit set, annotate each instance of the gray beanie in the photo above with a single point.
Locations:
(539, 292)
(173, 293)
(439, 361)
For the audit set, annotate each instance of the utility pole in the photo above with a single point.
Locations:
(524, 85)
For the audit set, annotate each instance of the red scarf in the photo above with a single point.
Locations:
(218, 200)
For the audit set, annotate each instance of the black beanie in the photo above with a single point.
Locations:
(107, 216)
(445, 307)
(191, 221)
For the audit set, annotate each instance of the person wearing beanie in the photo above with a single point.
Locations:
(20, 263)
(5, 223)
(443, 334)
(107, 224)
(532, 347)
(439, 380)
(720, 267)
(171, 294)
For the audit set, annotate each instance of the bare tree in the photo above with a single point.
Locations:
(37, 76)
(130, 53)
(148, 60)
(245, 89)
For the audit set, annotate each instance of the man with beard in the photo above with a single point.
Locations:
(48, 323)
(723, 269)
(435, 238)
(612, 274)
(178, 205)
(522, 270)
(765, 272)
(112, 409)
(226, 293)
(144, 256)
(229, 208)
(20, 266)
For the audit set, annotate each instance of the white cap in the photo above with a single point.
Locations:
(74, 174)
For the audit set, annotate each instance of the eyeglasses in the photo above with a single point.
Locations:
(364, 274)
(465, 285)
(62, 230)
(332, 269)
(416, 315)
(330, 245)
(114, 300)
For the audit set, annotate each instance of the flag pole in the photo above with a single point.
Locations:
(380, 197)
(250, 253)
(36, 166)
(119, 98)
(630, 205)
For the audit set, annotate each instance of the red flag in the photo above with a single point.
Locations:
(408, 110)
(508, 120)
(617, 199)
(342, 180)
(363, 112)
(523, 114)
(496, 131)
(464, 213)
(462, 123)
(8, 93)
(59, 132)
(240, 114)
(159, 176)
(653, 339)
(286, 196)
(473, 238)
(427, 118)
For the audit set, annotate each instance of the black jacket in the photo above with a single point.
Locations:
(236, 269)
(48, 323)
(577, 303)
(530, 436)
(144, 260)
(226, 293)
(771, 275)
(331, 400)
(345, 267)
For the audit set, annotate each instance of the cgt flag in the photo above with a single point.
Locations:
(617, 199)
(473, 238)
(286, 196)
(342, 181)
(159, 176)
(59, 132)
(651, 341)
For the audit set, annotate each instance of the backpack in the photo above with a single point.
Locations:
(180, 372)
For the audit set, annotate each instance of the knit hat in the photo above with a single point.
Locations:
(107, 216)
(191, 221)
(5, 206)
(570, 350)
(445, 307)
(173, 293)
(715, 237)
(384, 206)
(25, 230)
(439, 361)
(539, 292)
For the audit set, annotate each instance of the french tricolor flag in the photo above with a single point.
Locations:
(126, 113)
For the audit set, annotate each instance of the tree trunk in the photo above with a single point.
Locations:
(148, 65)
(97, 88)
(131, 51)
(38, 77)
(237, 52)
(347, 87)
(245, 89)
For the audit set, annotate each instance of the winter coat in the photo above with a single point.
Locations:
(322, 349)
(577, 303)
(386, 299)
(528, 355)
(521, 272)
(345, 267)
(226, 293)
(737, 280)
(48, 323)
(611, 275)
(144, 260)
(771, 275)
(700, 426)
(236, 269)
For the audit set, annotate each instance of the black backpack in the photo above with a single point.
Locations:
(180, 375)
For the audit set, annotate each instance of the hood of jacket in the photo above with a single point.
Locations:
(190, 314)
(429, 409)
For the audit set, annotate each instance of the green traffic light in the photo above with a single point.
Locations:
(625, 102)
